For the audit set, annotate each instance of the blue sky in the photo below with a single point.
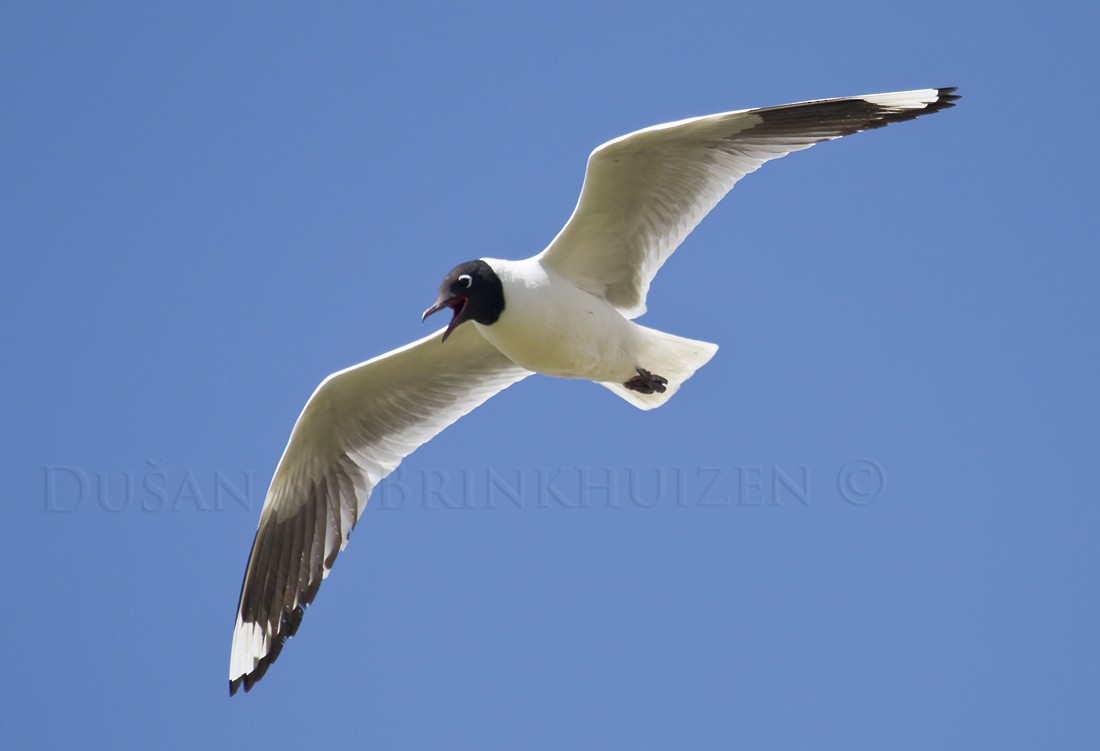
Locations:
(869, 522)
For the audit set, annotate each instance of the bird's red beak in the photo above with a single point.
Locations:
(456, 304)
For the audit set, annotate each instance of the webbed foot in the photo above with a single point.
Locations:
(646, 382)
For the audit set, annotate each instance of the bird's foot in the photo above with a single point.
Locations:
(646, 382)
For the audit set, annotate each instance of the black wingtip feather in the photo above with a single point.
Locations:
(833, 118)
(947, 98)
(287, 628)
(262, 599)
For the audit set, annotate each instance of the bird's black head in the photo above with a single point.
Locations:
(473, 291)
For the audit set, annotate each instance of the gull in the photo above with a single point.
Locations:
(567, 312)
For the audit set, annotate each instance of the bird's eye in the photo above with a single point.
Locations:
(466, 280)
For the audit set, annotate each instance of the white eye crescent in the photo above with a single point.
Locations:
(466, 280)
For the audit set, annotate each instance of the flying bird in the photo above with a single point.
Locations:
(568, 312)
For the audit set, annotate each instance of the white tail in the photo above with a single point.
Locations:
(669, 356)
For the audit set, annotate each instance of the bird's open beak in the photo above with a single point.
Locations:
(456, 304)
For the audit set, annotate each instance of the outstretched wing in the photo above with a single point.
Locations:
(646, 191)
(355, 429)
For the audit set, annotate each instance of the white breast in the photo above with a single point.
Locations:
(552, 327)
